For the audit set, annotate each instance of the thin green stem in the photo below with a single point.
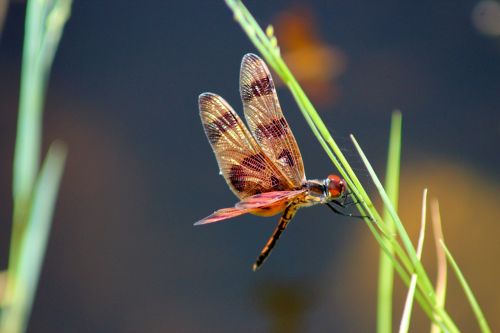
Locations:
(32, 248)
(405, 321)
(29, 124)
(386, 270)
(483, 324)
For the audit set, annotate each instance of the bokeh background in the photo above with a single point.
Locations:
(123, 255)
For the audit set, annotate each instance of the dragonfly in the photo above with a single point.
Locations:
(262, 163)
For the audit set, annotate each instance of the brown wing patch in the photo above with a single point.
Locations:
(286, 157)
(217, 127)
(275, 129)
(258, 87)
(266, 121)
(237, 177)
(245, 167)
(255, 162)
(276, 183)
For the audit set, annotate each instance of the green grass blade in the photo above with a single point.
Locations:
(483, 324)
(43, 28)
(34, 240)
(27, 152)
(393, 160)
(394, 216)
(405, 320)
(44, 24)
(386, 270)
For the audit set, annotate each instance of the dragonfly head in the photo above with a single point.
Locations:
(336, 186)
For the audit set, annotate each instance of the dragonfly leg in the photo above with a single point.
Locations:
(338, 211)
(344, 201)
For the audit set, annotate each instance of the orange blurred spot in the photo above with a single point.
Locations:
(315, 63)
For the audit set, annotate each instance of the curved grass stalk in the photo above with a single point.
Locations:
(441, 280)
(404, 256)
(483, 324)
(405, 321)
(386, 270)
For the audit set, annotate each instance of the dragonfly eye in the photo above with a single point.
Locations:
(336, 186)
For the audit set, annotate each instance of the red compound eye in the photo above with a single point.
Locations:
(336, 186)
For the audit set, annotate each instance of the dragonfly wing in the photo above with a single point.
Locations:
(265, 118)
(222, 214)
(264, 204)
(268, 199)
(245, 167)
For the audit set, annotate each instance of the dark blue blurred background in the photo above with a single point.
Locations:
(123, 255)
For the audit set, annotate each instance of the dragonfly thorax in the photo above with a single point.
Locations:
(333, 187)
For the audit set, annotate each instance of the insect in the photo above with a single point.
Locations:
(261, 164)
